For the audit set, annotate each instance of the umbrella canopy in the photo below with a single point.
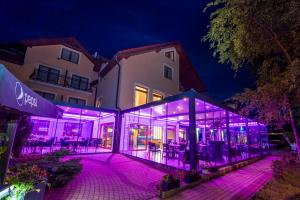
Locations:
(16, 95)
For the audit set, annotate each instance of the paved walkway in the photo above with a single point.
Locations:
(237, 185)
(114, 177)
(110, 177)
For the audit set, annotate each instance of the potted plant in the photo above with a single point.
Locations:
(27, 181)
(191, 176)
(169, 182)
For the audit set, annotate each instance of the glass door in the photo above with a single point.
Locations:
(107, 135)
(138, 137)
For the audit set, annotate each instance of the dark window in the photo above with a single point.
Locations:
(70, 56)
(48, 74)
(46, 95)
(168, 72)
(170, 55)
(73, 100)
(79, 82)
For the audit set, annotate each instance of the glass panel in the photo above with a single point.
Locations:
(74, 57)
(79, 131)
(75, 82)
(53, 76)
(141, 95)
(42, 73)
(65, 54)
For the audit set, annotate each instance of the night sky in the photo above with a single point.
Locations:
(109, 26)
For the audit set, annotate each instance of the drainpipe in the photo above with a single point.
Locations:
(116, 146)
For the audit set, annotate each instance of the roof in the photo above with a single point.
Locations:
(189, 77)
(70, 42)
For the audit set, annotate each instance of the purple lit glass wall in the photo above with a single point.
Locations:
(79, 130)
(160, 132)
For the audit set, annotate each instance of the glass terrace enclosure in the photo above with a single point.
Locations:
(188, 131)
(81, 130)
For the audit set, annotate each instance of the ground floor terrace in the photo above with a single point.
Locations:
(78, 129)
(191, 131)
(185, 131)
(114, 176)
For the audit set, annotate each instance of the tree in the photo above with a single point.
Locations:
(265, 36)
(22, 134)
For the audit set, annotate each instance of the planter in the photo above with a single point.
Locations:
(36, 195)
(191, 179)
(166, 186)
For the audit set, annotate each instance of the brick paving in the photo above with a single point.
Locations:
(116, 177)
(107, 177)
(237, 185)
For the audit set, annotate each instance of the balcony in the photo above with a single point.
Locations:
(54, 78)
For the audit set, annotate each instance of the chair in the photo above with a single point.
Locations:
(184, 157)
(49, 143)
(85, 144)
(64, 144)
(166, 150)
(153, 147)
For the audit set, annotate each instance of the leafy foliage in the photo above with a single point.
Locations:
(22, 134)
(263, 35)
(286, 180)
(59, 172)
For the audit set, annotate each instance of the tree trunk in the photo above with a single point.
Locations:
(294, 131)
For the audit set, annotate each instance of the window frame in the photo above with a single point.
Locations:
(134, 92)
(70, 56)
(48, 73)
(42, 94)
(172, 52)
(157, 93)
(172, 72)
(79, 82)
(77, 100)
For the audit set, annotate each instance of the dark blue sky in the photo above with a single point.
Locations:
(109, 26)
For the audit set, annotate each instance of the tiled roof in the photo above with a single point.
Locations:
(189, 78)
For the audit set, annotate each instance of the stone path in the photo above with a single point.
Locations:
(237, 185)
(110, 176)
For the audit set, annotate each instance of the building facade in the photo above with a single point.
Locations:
(57, 69)
(141, 75)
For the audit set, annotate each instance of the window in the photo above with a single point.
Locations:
(168, 72)
(79, 82)
(70, 56)
(73, 100)
(48, 74)
(72, 129)
(157, 96)
(170, 55)
(40, 127)
(141, 95)
(46, 95)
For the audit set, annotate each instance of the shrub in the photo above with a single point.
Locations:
(285, 183)
(59, 172)
(191, 176)
(169, 182)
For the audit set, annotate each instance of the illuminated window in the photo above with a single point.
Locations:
(157, 96)
(170, 55)
(141, 95)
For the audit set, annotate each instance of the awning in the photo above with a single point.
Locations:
(16, 95)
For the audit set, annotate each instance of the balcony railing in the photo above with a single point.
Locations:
(60, 80)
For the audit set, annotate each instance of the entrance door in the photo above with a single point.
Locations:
(107, 135)
(138, 137)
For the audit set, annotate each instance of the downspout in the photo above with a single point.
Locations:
(116, 146)
(118, 84)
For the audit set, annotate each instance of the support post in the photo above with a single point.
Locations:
(228, 137)
(192, 133)
(248, 139)
(117, 132)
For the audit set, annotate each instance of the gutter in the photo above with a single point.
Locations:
(118, 84)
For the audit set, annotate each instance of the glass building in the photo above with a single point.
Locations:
(188, 131)
(80, 129)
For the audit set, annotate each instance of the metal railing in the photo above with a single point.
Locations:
(60, 80)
